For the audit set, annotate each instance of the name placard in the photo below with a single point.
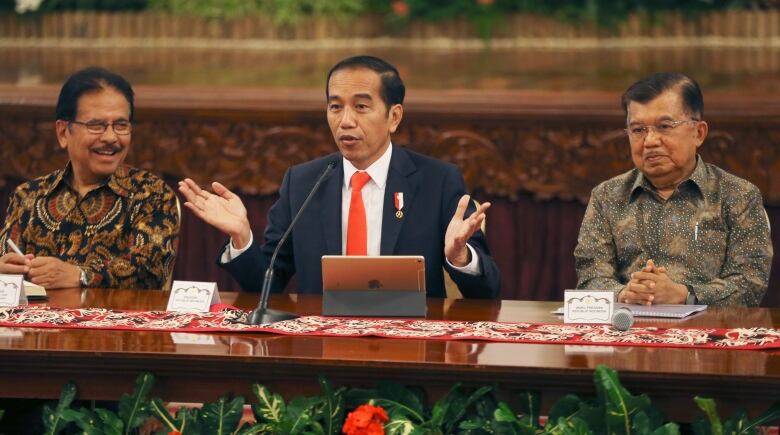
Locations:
(588, 306)
(192, 296)
(12, 291)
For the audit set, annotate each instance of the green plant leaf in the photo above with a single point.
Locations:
(737, 423)
(403, 397)
(667, 429)
(565, 407)
(111, 423)
(189, 421)
(270, 407)
(708, 406)
(222, 417)
(568, 426)
(134, 409)
(298, 416)
(619, 404)
(506, 422)
(401, 425)
(332, 407)
(442, 406)
(529, 405)
(460, 406)
(161, 413)
(770, 415)
(640, 424)
(84, 419)
(53, 422)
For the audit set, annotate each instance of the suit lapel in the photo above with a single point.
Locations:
(330, 207)
(401, 177)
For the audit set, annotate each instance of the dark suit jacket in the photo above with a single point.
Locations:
(431, 190)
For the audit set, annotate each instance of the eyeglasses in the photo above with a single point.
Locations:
(99, 127)
(663, 128)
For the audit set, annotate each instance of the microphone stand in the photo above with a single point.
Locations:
(262, 314)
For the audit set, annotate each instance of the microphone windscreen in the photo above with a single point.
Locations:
(622, 319)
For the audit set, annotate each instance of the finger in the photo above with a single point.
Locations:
(638, 288)
(481, 209)
(644, 276)
(661, 269)
(650, 266)
(187, 192)
(16, 259)
(192, 185)
(462, 205)
(222, 191)
(15, 269)
(39, 262)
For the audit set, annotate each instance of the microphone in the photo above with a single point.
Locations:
(622, 319)
(262, 314)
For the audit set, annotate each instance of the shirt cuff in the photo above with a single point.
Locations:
(470, 269)
(230, 253)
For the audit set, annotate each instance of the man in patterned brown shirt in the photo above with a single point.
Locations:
(675, 229)
(96, 222)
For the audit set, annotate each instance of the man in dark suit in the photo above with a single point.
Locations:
(379, 200)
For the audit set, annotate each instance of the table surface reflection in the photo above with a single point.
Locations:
(200, 367)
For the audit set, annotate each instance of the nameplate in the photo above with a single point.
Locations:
(192, 296)
(12, 291)
(588, 306)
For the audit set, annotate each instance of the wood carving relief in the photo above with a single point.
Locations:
(561, 157)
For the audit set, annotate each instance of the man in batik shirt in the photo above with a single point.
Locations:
(675, 229)
(96, 222)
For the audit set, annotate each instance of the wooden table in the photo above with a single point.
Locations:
(200, 367)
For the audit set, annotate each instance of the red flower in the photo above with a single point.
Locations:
(366, 420)
(400, 8)
(174, 432)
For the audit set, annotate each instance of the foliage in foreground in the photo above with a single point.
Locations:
(614, 410)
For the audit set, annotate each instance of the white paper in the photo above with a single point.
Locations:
(12, 291)
(588, 306)
(192, 296)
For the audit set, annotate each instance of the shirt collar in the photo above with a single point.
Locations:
(377, 171)
(697, 178)
(119, 182)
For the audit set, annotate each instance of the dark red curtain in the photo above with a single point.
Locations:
(532, 241)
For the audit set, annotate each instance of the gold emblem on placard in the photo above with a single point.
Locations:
(399, 214)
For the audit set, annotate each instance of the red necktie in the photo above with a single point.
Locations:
(357, 237)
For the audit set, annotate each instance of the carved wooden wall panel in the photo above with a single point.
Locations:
(543, 146)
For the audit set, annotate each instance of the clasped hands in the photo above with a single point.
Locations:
(49, 272)
(224, 211)
(652, 285)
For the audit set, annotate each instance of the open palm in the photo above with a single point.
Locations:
(460, 230)
(222, 209)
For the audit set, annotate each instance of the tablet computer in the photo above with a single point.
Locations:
(382, 286)
(375, 273)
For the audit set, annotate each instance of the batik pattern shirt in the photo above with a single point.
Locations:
(711, 234)
(123, 234)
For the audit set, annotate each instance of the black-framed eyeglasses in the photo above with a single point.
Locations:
(120, 128)
(663, 128)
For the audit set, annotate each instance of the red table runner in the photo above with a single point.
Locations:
(230, 320)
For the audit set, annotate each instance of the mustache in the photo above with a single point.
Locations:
(108, 148)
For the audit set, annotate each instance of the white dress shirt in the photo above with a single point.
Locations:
(373, 200)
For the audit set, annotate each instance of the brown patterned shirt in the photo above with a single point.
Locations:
(712, 235)
(122, 234)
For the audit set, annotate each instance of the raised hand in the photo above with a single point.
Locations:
(222, 209)
(460, 230)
